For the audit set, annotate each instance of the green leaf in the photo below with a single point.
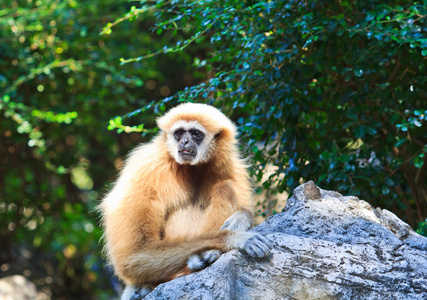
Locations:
(344, 158)
(322, 177)
(360, 131)
(358, 72)
(395, 118)
(419, 160)
(400, 143)
(389, 181)
(325, 155)
(371, 130)
(385, 190)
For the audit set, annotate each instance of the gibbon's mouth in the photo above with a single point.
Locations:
(187, 151)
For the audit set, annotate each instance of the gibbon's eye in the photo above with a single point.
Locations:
(178, 133)
(197, 135)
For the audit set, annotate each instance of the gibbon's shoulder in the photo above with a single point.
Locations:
(211, 118)
(147, 153)
(143, 164)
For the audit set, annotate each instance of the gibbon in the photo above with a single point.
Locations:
(179, 202)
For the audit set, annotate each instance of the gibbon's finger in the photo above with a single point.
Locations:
(262, 242)
(262, 245)
(253, 251)
(256, 248)
(261, 250)
(266, 241)
(211, 256)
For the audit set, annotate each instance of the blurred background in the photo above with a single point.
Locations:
(329, 91)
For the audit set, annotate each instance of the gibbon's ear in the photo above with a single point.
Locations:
(217, 135)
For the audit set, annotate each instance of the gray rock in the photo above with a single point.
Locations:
(327, 246)
(17, 287)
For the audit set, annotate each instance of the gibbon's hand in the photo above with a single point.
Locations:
(257, 246)
(197, 262)
(251, 243)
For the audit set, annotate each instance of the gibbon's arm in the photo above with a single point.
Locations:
(231, 202)
(219, 214)
(225, 211)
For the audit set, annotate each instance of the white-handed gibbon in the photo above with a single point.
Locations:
(179, 202)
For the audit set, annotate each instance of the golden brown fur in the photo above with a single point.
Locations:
(160, 212)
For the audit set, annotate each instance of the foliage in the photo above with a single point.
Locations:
(332, 91)
(422, 228)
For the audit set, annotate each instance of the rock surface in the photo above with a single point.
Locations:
(327, 246)
(17, 287)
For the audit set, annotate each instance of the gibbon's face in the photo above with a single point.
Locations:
(189, 142)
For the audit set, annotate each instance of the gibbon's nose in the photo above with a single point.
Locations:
(185, 139)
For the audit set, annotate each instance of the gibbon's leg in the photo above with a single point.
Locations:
(222, 204)
(155, 264)
(161, 261)
(139, 255)
(250, 243)
(157, 261)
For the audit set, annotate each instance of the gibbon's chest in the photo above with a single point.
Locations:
(184, 221)
(185, 216)
(187, 200)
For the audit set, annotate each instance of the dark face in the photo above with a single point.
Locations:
(188, 142)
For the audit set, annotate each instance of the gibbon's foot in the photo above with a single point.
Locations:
(210, 256)
(141, 293)
(134, 293)
(239, 221)
(197, 262)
